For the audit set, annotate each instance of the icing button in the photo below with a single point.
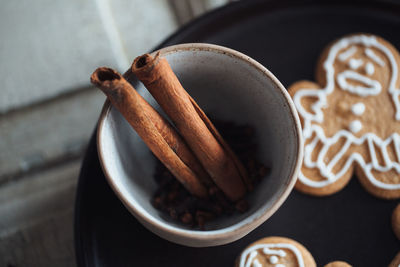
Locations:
(355, 126)
(273, 259)
(358, 109)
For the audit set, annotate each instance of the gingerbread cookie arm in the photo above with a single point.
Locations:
(307, 100)
(306, 96)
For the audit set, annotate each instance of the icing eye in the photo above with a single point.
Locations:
(355, 63)
(369, 68)
(374, 57)
(347, 53)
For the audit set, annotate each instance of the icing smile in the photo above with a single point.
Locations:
(368, 87)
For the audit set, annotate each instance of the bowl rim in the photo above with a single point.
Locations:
(241, 228)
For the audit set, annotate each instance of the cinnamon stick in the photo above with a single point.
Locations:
(158, 134)
(202, 137)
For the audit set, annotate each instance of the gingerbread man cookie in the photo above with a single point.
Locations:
(351, 118)
(338, 264)
(275, 252)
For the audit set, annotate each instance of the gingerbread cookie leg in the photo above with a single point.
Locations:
(372, 183)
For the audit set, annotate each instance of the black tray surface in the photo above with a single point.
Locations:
(286, 37)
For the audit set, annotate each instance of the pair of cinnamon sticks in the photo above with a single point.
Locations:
(195, 153)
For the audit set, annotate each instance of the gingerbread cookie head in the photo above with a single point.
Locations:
(275, 252)
(351, 118)
(338, 264)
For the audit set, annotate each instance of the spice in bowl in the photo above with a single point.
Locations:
(172, 198)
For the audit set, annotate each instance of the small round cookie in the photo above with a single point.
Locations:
(338, 264)
(275, 252)
(396, 261)
(396, 221)
(351, 118)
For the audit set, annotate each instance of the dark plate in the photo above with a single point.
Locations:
(287, 38)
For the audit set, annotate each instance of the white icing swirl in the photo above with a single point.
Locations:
(310, 129)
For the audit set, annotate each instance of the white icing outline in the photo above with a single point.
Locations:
(326, 170)
(374, 57)
(374, 86)
(252, 255)
(270, 249)
(348, 53)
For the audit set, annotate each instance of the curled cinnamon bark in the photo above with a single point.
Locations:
(199, 133)
(155, 131)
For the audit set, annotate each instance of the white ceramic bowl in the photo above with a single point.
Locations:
(233, 87)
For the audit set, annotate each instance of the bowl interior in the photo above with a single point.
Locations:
(230, 88)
